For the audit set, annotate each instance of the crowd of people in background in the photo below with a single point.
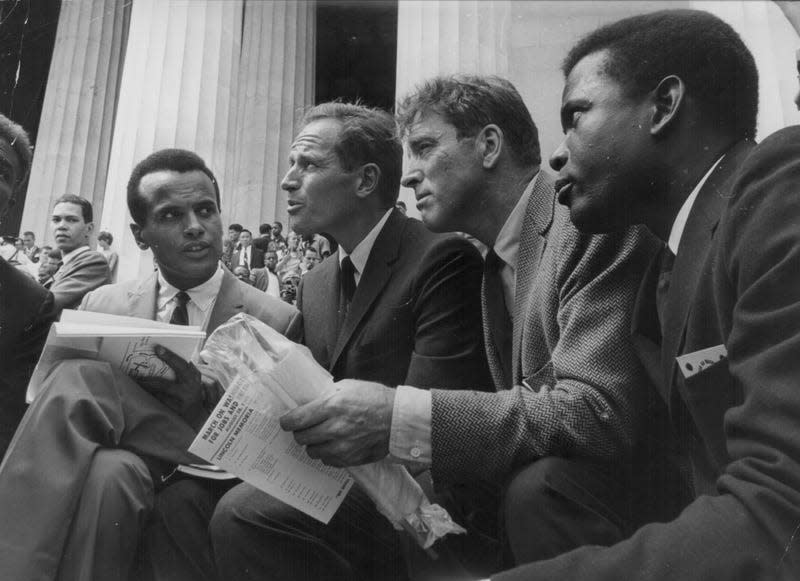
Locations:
(271, 262)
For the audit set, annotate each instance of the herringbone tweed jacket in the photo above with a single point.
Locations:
(585, 389)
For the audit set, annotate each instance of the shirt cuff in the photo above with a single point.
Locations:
(410, 438)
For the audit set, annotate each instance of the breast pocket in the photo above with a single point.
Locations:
(709, 394)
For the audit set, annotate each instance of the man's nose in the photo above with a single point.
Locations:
(289, 181)
(411, 178)
(559, 158)
(193, 224)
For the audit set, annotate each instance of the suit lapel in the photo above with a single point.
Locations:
(694, 245)
(320, 302)
(229, 301)
(532, 242)
(645, 328)
(143, 300)
(376, 275)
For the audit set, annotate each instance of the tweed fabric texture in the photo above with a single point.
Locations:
(573, 305)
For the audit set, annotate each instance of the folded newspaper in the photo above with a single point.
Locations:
(265, 375)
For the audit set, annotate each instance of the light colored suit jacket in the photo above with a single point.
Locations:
(138, 298)
(584, 387)
(86, 272)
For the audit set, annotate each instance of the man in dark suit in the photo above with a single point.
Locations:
(395, 304)
(26, 308)
(81, 476)
(82, 269)
(565, 425)
(656, 135)
(247, 254)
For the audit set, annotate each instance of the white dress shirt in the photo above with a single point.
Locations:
(361, 252)
(202, 299)
(679, 224)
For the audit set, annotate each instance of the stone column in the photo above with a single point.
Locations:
(176, 91)
(439, 37)
(276, 82)
(74, 141)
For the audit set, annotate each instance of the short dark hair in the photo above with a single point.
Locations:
(368, 135)
(86, 205)
(29, 233)
(237, 227)
(265, 228)
(107, 236)
(55, 253)
(178, 160)
(18, 139)
(246, 230)
(700, 48)
(470, 103)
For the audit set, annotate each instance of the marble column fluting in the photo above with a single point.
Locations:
(176, 90)
(74, 140)
(275, 85)
(441, 37)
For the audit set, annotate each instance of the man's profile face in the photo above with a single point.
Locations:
(276, 229)
(28, 240)
(321, 193)
(183, 225)
(233, 235)
(245, 238)
(270, 260)
(10, 174)
(69, 229)
(445, 173)
(603, 172)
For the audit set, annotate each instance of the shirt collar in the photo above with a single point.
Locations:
(506, 246)
(362, 251)
(683, 214)
(203, 295)
(70, 256)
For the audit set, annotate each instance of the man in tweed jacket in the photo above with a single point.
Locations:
(564, 429)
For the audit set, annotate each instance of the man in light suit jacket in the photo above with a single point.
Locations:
(26, 308)
(395, 304)
(79, 479)
(718, 317)
(566, 424)
(82, 269)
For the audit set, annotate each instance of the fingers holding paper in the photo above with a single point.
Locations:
(189, 395)
(347, 427)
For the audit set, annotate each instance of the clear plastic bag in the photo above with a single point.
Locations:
(246, 347)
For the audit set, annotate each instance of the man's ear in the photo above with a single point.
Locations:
(136, 230)
(668, 97)
(490, 143)
(369, 175)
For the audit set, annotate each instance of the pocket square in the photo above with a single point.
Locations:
(693, 363)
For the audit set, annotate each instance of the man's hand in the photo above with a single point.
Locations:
(190, 395)
(347, 427)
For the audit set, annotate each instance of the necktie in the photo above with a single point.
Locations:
(180, 315)
(498, 320)
(662, 289)
(348, 279)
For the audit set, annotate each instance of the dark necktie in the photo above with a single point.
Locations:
(664, 278)
(348, 279)
(347, 288)
(180, 316)
(499, 322)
